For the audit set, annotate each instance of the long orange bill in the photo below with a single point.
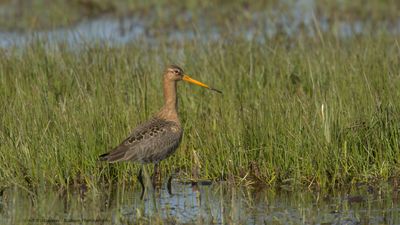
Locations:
(190, 80)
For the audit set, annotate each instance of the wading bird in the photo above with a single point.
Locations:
(158, 138)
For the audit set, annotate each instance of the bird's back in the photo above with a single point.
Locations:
(150, 142)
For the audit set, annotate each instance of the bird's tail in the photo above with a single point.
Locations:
(113, 156)
(104, 157)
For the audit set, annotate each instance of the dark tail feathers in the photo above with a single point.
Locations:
(104, 157)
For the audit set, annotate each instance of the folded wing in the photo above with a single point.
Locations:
(152, 141)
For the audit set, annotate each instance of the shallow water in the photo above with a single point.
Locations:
(299, 16)
(216, 203)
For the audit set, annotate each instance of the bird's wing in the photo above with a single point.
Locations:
(149, 142)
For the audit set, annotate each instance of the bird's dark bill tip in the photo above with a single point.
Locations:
(216, 90)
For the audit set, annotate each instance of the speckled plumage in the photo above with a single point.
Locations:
(150, 142)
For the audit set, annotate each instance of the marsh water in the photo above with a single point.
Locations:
(204, 203)
(298, 17)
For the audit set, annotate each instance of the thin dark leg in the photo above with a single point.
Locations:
(140, 178)
(156, 179)
(169, 185)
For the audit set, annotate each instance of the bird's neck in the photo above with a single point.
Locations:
(170, 109)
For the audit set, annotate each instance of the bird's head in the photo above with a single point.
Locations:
(175, 73)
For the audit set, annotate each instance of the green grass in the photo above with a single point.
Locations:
(323, 113)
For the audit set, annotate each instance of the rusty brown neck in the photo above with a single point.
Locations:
(170, 108)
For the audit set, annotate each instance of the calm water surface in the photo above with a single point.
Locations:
(299, 16)
(209, 203)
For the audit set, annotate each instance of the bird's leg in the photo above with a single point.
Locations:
(140, 178)
(169, 185)
(156, 178)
